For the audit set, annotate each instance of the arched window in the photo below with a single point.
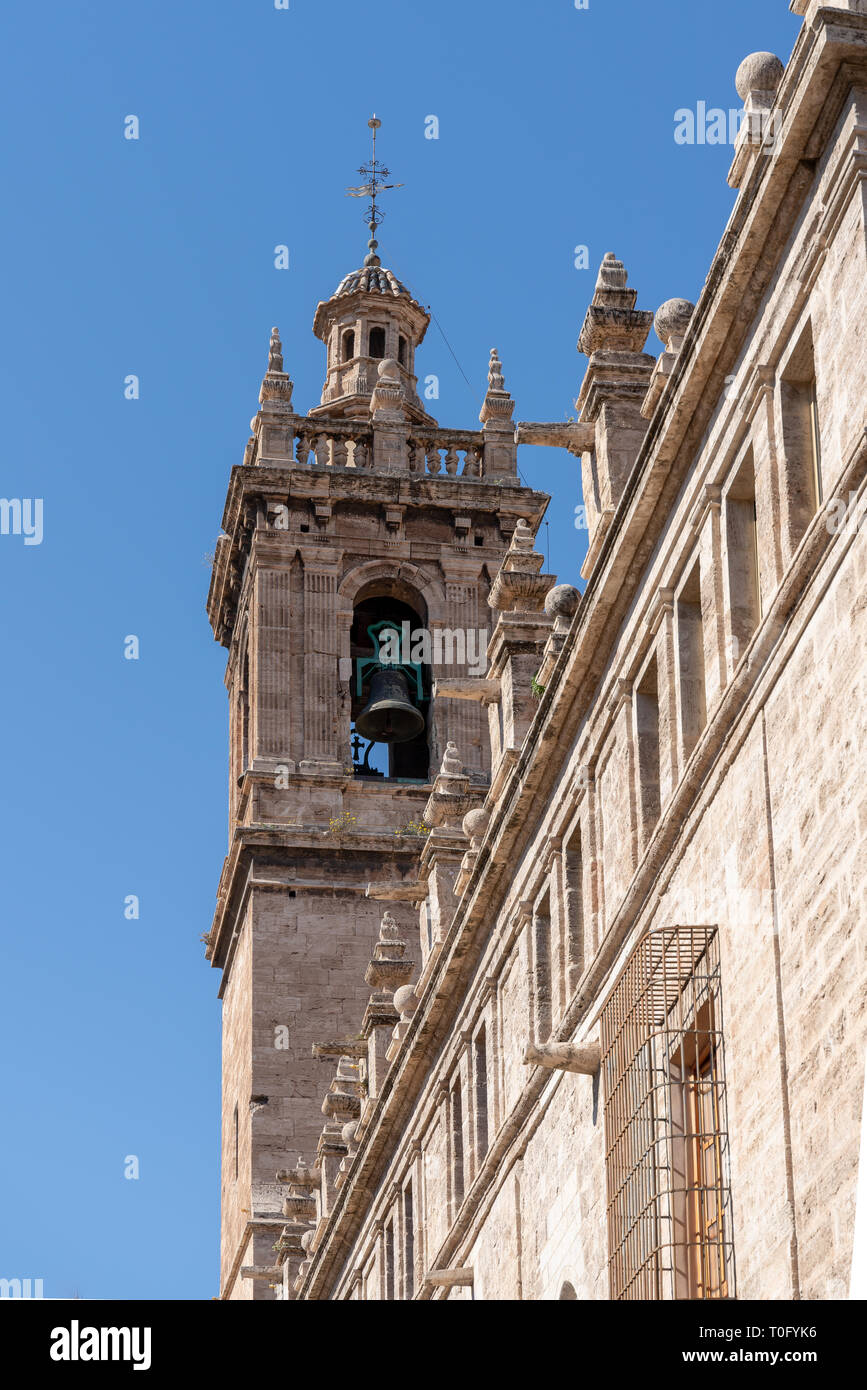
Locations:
(409, 760)
(348, 345)
(568, 1291)
(401, 351)
(377, 342)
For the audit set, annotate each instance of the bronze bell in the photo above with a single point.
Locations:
(389, 715)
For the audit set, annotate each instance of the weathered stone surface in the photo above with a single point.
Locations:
(695, 759)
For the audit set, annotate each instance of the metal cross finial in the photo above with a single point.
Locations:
(375, 174)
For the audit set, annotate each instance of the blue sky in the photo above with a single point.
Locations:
(156, 258)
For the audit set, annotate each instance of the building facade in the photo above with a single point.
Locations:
(564, 998)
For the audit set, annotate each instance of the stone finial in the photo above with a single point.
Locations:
(498, 406)
(475, 824)
(759, 72)
(388, 928)
(387, 400)
(388, 970)
(452, 764)
(612, 323)
(671, 322)
(406, 1001)
(275, 352)
(562, 602)
(343, 1099)
(520, 585)
(612, 274)
(276, 386)
(450, 796)
(349, 1132)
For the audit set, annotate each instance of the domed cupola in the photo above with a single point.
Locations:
(370, 318)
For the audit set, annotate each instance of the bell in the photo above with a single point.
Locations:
(389, 715)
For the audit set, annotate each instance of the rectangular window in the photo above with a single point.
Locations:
(480, 1078)
(697, 1194)
(815, 445)
(647, 743)
(388, 1245)
(666, 1137)
(742, 545)
(801, 433)
(542, 968)
(690, 653)
(408, 1243)
(573, 908)
(457, 1133)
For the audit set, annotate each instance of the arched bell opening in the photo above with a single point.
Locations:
(391, 685)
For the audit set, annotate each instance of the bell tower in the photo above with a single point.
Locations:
(360, 542)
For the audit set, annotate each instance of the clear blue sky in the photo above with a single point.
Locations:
(156, 258)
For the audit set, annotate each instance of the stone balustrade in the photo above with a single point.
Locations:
(349, 444)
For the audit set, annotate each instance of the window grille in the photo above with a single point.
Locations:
(666, 1136)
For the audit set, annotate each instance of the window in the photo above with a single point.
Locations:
(245, 715)
(647, 744)
(742, 545)
(388, 1255)
(401, 351)
(666, 1139)
(480, 1078)
(697, 1195)
(456, 1120)
(377, 342)
(542, 967)
(573, 907)
(801, 433)
(408, 1243)
(348, 345)
(690, 651)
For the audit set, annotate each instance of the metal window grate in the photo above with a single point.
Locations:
(666, 1138)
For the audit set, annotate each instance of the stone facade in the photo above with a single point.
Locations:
(645, 868)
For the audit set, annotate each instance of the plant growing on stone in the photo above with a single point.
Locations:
(414, 827)
(341, 825)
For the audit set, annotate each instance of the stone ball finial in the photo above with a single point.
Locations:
(347, 1134)
(388, 370)
(475, 823)
(405, 1001)
(759, 72)
(562, 601)
(673, 319)
(307, 1241)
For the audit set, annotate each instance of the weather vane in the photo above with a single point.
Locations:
(375, 174)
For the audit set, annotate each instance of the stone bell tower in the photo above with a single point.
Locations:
(361, 511)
